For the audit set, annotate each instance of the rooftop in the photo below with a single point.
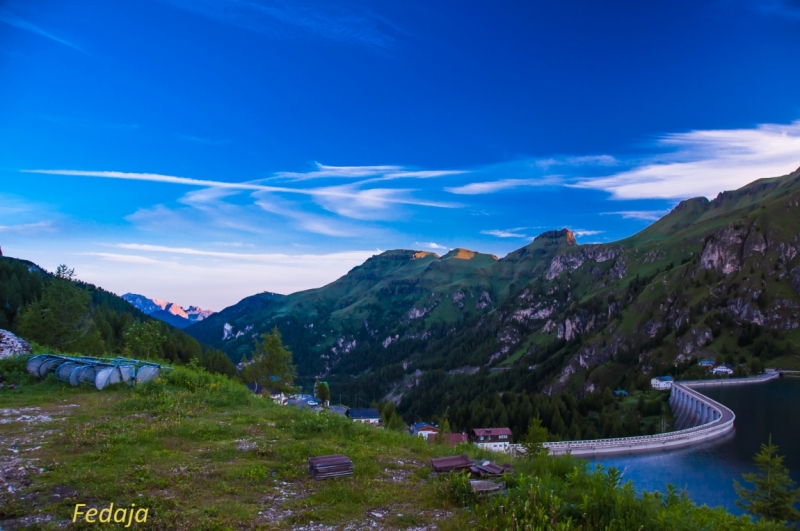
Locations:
(370, 413)
(491, 431)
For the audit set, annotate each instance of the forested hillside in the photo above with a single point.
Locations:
(103, 319)
(483, 338)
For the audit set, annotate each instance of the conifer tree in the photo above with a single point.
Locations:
(62, 318)
(536, 435)
(773, 496)
(443, 435)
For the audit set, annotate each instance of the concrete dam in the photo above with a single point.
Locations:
(697, 419)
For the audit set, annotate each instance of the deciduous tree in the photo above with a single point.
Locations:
(144, 338)
(322, 391)
(271, 364)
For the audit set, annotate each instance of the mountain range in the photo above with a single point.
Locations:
(716, 279)
(169, 312)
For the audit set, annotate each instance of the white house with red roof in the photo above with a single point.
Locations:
(423, 429)
(495, 439)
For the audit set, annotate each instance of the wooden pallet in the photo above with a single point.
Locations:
(491, 470)
(482, 488)
(330, 466)
(450, 464)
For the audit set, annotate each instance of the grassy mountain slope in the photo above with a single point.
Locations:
(717, 279)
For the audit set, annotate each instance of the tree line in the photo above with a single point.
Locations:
(61, 313)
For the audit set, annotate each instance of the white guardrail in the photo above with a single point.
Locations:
(718, 427)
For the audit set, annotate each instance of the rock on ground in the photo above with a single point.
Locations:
(11, 345)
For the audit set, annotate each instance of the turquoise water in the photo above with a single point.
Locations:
(707, 472)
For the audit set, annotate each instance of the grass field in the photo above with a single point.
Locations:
(199, 451)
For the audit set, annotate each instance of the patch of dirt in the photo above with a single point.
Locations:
(22, 435)
(274, 511)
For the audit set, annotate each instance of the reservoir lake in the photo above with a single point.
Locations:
(707, 471)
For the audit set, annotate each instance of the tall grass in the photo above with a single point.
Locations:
(565, 494)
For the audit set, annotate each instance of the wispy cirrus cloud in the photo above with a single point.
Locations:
(645, 215)
(375, 173)
(12, 20)
(704, 163)
(370, 197)
(291, 20)
(324, 171)
(27, 229)
(214, 206)
(275, 258)
(583, 232)
(431, 245)
(491, 187)
(585, 160)
(128, 259)
(510, 233)
(306, 221)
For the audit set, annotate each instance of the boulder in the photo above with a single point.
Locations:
(11, 345)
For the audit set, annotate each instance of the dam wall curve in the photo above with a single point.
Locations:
(697, 419)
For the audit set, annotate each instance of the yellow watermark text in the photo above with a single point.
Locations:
(107, 515)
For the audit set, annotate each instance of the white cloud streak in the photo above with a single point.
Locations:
(24, 25)
(586, 160)
(645, 215)
(28, 228)
(705, 163)
(292, 19)
(491, 187)
(271, 258)
(582, 232)
(364, 197)
(511, 233)
(431, 245)
(307, 221)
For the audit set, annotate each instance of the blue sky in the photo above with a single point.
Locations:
(202, 151)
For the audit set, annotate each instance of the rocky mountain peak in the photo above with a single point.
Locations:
(168, 312)
(422, 254)
(557, 234)
(460, 254)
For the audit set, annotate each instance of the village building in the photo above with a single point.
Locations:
(722, 369)
(706, 363)
(278, 397)
(367, 416)
(423, 429)
(495, 439)
(621, 393)
(662, 383)
(338, 410)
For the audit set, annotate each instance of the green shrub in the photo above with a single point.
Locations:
(13, 370)
(456, 489)
(183, 389)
